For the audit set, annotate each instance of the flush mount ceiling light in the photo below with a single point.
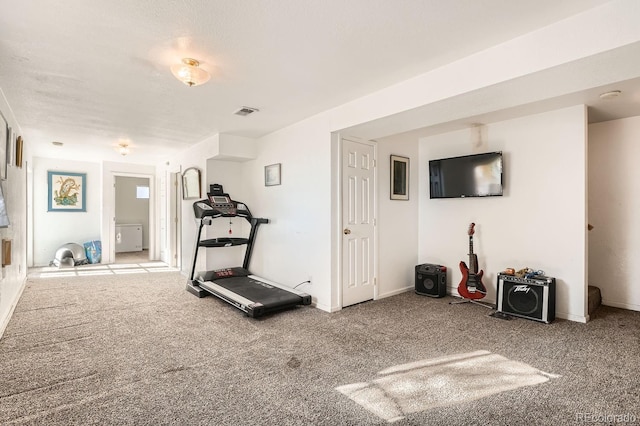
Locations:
(610, 95)
(123, 148)
(190, 73)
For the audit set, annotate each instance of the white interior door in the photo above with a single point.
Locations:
(358, 222)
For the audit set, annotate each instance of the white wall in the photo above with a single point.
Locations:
(614, 211)
(53, 229)
(131, 209)
(14, 189)
(397, 219)
(539, 222)
(296, 244)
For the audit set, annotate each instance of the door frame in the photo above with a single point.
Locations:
(174, 219)
(337, 144)
(111, 237)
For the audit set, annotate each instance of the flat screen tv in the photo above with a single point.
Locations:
(477, 175)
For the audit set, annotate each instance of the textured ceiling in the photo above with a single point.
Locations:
(90, 73)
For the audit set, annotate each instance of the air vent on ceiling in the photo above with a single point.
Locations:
(244, 111)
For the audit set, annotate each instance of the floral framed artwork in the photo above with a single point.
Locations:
(67, 192)
(399, 178)
(272, 175)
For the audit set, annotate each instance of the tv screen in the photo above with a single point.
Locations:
(478, 175)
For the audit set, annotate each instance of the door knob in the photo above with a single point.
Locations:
(346, 231)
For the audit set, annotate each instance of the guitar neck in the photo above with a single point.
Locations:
(473, 259)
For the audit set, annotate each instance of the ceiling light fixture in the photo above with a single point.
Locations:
(190, 73)
(123, 149)
(610, 95)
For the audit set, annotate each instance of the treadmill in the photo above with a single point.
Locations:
(253, 295)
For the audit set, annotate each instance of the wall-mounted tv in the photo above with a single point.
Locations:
(477, 175)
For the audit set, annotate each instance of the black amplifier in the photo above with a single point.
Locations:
(431, 280)
(532, 298)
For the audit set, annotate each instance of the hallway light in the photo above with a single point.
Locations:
(124, 149)
(611, 94)
(190, 73)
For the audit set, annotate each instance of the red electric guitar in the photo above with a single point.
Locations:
(471, 286)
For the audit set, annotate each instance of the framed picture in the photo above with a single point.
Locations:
(67, 192)
(4, 140)
(11, 147)
(19, 143)
(272, 175)
(399, 178)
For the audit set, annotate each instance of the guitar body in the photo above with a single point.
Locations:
(471, 286)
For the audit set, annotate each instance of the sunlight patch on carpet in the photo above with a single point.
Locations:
(439, 382)
(110, 269)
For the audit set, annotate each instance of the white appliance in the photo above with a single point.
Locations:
(128, 237)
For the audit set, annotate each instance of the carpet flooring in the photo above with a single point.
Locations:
(134, 348)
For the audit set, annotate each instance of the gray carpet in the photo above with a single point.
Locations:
(138, 349)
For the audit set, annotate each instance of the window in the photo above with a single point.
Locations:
(142, 192)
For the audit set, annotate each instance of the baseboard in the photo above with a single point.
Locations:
(569, 317)
(5, 321)
(621, 305)
(332, 309)
(394, 292)
(325, 308)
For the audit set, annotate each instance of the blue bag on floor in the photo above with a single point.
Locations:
(94, 251)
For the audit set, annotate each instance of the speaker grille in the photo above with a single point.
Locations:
(523, 299)
(531, 298)
(428, 284)
(431, 280)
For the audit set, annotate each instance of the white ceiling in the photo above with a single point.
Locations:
(90, 73)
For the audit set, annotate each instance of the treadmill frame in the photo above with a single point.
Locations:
(201, 288)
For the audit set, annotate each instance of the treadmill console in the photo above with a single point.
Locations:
(219, 203)
(223, 204)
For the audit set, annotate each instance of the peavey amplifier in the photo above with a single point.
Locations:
(431, 280)
(531, 298)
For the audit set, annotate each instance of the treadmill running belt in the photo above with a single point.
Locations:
(258, 291)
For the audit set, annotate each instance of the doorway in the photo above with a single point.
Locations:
(133, 232)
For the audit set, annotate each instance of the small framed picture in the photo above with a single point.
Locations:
(19, 143)
(272, 175)
(399, 178)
